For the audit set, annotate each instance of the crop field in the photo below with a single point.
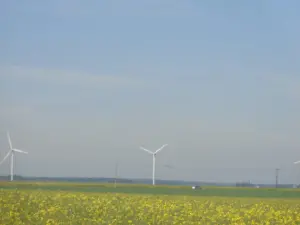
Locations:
(157, 190)
(21, 206)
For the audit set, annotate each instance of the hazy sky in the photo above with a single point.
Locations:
(84, 83)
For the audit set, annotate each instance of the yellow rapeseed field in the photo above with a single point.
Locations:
(46, 207)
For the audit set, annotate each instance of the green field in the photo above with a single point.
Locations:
(157, 190)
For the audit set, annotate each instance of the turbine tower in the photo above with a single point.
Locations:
(11, 153)
(298, 162)
(153, 158)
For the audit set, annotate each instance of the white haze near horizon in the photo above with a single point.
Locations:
(83, 85)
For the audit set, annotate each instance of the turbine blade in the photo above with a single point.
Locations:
(18, 150)
(9, 141)
(160, 148)
(169, 166)
(146, 150)
(297, 162)
(5, 157)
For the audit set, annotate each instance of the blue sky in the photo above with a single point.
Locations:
(86, 82)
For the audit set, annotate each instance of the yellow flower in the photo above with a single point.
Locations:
(50, 207)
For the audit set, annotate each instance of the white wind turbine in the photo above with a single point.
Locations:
(298, 162)
(11, 153)
(154, 157)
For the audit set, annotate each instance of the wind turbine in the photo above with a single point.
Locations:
(298, 162)
(11, 153)
(153, 157)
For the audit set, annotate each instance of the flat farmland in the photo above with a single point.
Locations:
(94, 203)
(64, 207)
(157, 190)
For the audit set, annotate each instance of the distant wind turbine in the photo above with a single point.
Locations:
(154, 158)
(298, 162)
(11, 153)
